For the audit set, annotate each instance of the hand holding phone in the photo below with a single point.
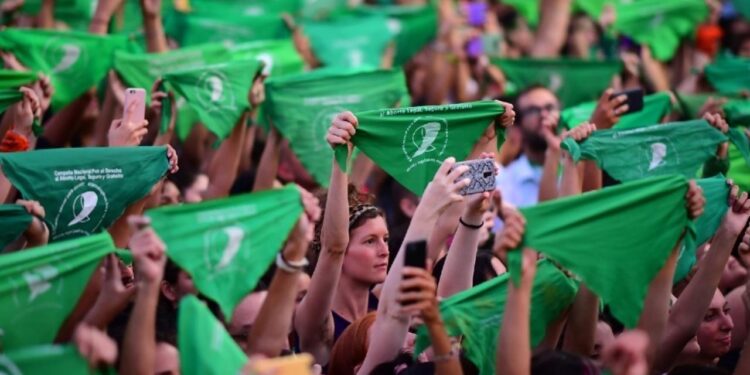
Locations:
(482, 174)
(634, 100)
(134, 108)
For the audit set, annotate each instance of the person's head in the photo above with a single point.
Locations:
(176, 284)
(551, 362)
(350, 349)
(170, 194)
(715, 331)
(533, 105)
(166, 359)
(190, 182)
(244, 317)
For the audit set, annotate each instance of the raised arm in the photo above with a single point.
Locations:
(553, 28)
(514, 341)
(313, 319)
(156, 40)
(269, 161)
(392, 322)
(139, 344)
(268, 336)
(655, 312)
(105, 9)
(688, 311)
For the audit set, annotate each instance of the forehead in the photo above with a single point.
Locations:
(537, 97)
(375, 225)
(718, 301)
(247, 311)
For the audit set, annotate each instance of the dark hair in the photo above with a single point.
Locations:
(552, 362)
(529, 89)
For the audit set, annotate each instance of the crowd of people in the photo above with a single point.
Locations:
(375, 187)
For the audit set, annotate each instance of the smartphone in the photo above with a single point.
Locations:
(134, 97)
(482, 174)
(416, 254)
(634, 101)
(299, 364)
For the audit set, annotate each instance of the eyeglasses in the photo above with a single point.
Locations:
(534, 110)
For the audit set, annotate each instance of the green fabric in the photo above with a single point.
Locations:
(729, 75)
(323, 9)
(47, 359)
(226, 245)
(248, 7)
(411, 143)
(660, 24)
(14, 219)
(477, 313)
(226, 27)
(743, 7)
(737, 112)
(74, 14)
(690, 104)
(716, 192)
(84, 190)
(218, 93)
(528, 9)
(316, 100)
(205, 346)
(413, 27)
(74, 61)
(673, 148)
(8, 97)
(574, 81)
(587, 234)
(349, 42)
(11, 79)
(655, 107)
(40, 287)
(739, 171)
(736, 109)
(279, 57)
(142, 69)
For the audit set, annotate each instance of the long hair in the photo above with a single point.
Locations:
(351, 347)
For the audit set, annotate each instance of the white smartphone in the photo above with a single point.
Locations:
(134, 109)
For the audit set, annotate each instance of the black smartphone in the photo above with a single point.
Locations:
(416, 254)
(634, 101)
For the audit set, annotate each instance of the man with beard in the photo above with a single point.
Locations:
(537, 107)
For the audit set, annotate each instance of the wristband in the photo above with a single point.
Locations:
(470, 226)
(291, 267)
(453, 353)
(14, 142)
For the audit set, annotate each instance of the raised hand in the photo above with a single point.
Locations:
(148, 251)
(123, 132)
(417, 295)
(626, 355)
(25, 111)
(581, 132)
(151, 8)
(609, 109)
(95, 346)
(444, 187)
(174, 163)
(44, 91)
(37, 233)
(508, 118)
(717, 121)
(694, 200)
(343, 127)
(512, 233)
(257, 94)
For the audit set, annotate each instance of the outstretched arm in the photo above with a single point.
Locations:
(156, 39)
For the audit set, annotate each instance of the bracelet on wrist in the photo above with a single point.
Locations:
(470, 226)
(290, 266)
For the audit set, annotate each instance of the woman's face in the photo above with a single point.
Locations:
(715, 332)
(367, 255)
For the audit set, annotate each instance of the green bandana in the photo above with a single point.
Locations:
(74, 61)
(205, 346)
(47, 359)
(660, 24)
(323, 9)
(476, 314)
(739, 171)
(574, 81)
(737, 112)
(528, 9)
(316, 100)
(194, 29)
(674, 148)
(586, 234)
(75, 14)
(84, 190)
(279, 57)
(655, 107)
(217, 92)
(11, 79)
(411, 143)
(743, 7)
(716, 192)
(729, 75)
(349, 42)
(248, 7)
(226, 245)
(40, 287)
(413, 27)
(14, 219)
